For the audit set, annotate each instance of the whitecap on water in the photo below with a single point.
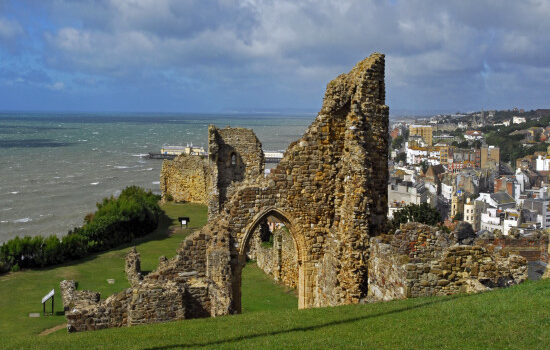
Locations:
(156, 182)
(19, 221)
(140, 155)
(121, 167)
(94, 183)
(95, 133)
(14, 192)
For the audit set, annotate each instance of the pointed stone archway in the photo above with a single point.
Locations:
(241, 260)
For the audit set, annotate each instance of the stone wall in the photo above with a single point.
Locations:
(71, 297)
(187, 178)
(235, 155)
(178, 289)
(533, 247)
(329, 190)
(133, 267)
(279, 260)
(420, 260)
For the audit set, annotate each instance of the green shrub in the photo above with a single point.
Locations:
(117, 220)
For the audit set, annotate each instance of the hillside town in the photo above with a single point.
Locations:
(489, 168)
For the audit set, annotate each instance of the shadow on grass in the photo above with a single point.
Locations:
(309, 328)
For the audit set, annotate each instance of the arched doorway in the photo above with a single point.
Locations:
(283, 272)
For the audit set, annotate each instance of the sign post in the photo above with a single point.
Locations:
(184, 220)
(45, 299)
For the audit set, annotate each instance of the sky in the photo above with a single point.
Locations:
(226, 56)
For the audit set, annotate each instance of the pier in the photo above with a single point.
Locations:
(271, 157)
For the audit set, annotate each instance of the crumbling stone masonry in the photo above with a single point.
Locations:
(186, 179)
(420, 260)
(234, 155)
(71, 297)
(533, 247)
(329, 190)
(280, 261)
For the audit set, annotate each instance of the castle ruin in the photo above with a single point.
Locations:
(329, 190)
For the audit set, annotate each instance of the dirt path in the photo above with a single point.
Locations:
(53, 329)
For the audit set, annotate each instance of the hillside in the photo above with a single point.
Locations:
(516, 317)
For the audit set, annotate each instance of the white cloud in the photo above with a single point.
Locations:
(9, 29)
(431, 45)
(57, 86)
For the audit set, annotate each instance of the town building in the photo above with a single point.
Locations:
(424, 131)
(518, 120)
(406, 192)
(489, 157)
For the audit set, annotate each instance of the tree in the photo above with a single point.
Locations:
(401, 157)
(422, 213)
(458, 217)
(424, 166)
(397, 142)
(477, 144)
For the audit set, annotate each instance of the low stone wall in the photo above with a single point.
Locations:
(113, 312)
(533, 247)
(387, 274)
(177, 290)
(420, 260)
(71, 297)
(156, 302)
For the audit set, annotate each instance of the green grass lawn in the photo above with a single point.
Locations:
(512, 318)
(21, 292)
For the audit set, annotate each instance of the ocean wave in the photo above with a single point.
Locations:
(14, 192)
(20, 221)
(7, 209)
(121, 167)
(140, 155)
(94, 183)
(156, 182)
(4, 222)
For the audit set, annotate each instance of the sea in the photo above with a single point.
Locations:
(55, 167)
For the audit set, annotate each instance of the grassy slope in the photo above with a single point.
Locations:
(21, 292)
(516, 317)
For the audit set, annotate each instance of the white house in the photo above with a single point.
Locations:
(543, 163)
(518, 120)
(491, 220)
